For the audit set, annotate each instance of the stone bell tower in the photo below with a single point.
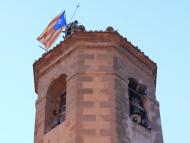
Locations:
(96, 87)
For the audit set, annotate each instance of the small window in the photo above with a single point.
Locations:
(137, 93)
(55, 109)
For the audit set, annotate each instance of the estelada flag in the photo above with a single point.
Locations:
(53, 30)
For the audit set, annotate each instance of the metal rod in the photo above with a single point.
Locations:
(134, 91)
(43, 48)
(74, 12)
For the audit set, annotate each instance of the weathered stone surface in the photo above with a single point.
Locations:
(97, 67)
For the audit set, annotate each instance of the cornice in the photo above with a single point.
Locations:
(91, 36)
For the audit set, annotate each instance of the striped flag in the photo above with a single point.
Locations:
(53, 30)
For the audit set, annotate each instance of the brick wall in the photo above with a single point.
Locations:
(97, 65)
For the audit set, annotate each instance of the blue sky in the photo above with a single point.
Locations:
(160, 28)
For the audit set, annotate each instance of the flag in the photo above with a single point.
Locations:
(53, 30)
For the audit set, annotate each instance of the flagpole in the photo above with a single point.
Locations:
(74, 12)
(43, 48)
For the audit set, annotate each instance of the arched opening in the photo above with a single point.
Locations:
(55, 107)
(137, 97)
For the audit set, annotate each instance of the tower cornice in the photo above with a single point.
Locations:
(114, 38)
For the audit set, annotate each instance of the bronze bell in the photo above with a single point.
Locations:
(136, 114)
(136, 118)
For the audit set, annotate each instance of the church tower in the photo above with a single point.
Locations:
(96, 87)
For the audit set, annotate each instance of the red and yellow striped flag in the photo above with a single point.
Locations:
(53, 30)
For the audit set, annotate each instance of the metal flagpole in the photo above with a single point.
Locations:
(43, 48)
(74, 12)
(71, 18)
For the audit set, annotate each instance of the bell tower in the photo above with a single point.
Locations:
(96, 87)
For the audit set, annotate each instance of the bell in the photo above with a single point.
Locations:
(142, 89)
(136, 118)
(136, 114)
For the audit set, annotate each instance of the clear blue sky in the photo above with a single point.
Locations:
(161, 28)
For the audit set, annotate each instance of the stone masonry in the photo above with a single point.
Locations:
(97, 66)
